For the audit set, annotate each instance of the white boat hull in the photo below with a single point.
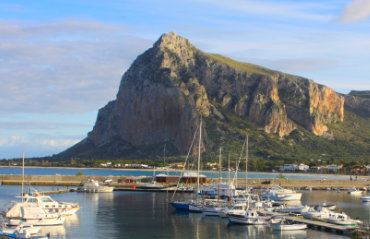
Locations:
(288, 227)
(248, 221)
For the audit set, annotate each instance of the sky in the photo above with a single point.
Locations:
(62, 60)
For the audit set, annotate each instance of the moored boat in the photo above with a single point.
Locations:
(284, 225)
(365, 199)
(251, 217)
(92, 186)
(50, 205)
(22, 231)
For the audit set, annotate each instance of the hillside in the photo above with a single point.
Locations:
(165, 91)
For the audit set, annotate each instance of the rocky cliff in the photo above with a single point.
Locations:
(168, 87)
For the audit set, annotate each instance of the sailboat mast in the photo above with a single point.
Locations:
(22, 174)
(246, 168)
(199, 145)
(219, 175)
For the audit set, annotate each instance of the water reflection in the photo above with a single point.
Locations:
(54, 231)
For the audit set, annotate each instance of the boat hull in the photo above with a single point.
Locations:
(180, 206)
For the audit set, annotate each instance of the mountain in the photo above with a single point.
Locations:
(166, 89)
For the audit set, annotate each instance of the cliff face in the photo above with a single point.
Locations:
(169, 86)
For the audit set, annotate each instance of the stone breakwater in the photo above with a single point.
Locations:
(128, 181)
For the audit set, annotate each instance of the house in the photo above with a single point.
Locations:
(334, 168)
(288, 168)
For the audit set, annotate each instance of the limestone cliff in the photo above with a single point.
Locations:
(168, 87)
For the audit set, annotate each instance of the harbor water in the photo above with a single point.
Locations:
(149, 215)
(138, 172)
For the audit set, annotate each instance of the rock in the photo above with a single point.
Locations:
(165, 91)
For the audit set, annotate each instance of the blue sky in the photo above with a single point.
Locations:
(62, 60)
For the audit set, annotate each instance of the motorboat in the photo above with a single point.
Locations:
(92, 186)
(341, 219)
(22, 231)
(214, 207)
(329, 206)
(226, 190)
(284, 225)
(50, 205)
(365, 199)
(354, 191)
(251, 217)
(32, 214)
(280, 194)
(236, 209)
(320, 214)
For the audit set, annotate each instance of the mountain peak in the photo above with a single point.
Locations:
(172, 41)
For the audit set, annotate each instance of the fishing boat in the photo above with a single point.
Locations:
(50, 205)
(284, 225)
(92, 186)
(365, 199)
(251, 217)
(22, 231)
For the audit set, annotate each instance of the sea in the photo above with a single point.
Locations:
(138, 172)
(149, 215)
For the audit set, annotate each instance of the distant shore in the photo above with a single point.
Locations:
(177, 170)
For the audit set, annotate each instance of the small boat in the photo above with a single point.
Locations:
(214, 207)
(341, 219)
(22, 231)
(365, 199)
(251, 217)
(284, 225)
(92, 186)
(236, 209)
(354, 191)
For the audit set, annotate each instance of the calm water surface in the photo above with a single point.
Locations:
(149, 215)
(125, 173)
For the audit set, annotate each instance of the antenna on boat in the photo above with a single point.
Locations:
(22, 174)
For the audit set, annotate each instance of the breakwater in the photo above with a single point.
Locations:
(120, 181)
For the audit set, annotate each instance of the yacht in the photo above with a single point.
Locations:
(280, 194)
(50, 205)
(32, 214)
(92, 186)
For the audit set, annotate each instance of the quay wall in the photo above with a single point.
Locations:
(71, 180)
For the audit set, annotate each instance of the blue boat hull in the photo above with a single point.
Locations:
(180, 206)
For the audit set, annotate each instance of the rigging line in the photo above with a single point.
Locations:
(186, 159)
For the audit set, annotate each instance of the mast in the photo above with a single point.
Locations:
(246, 168)
(22, 174)
(164, 157)
(199, 145)
(219, 175)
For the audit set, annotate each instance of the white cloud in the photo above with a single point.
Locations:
(281, 9)
(66, 66)
(355, 11)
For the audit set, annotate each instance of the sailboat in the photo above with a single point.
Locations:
(153, 184)
(192, 205)
(215, 207)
